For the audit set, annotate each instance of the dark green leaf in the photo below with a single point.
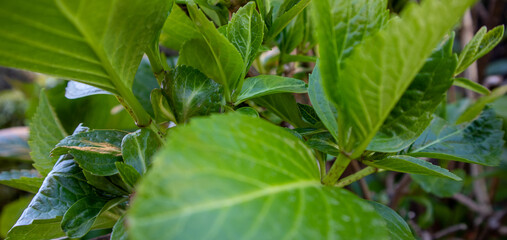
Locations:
(368, 84)
(119, 230)
(105, 184)
(194, 181)
(408, 164)
(138, 147)
(178, 29)
(10, 214)
(245, 32)
(413, 112)
(471, 85)
(190, 93)
(323, 107)
(213, 54)
(398, 228)
(97, 141)
(284, 105)
(96, 163)
(248, 111)
(479, 46)
(325, 143)
(479, 142)
(76, 90)
(475, 109)
(26, 180)
(144, 83)
(263, 85)
(45, 132)
(128, 174)
(441, 187)
(79, 219)
(308, 113)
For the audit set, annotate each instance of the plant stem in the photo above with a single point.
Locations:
(156, 129)
(356, 176)
(339, 166)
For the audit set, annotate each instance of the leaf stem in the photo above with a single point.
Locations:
(339, 166)
(356, 176)
(156, 129)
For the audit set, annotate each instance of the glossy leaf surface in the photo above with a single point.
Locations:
(269, 84)
(138, 147)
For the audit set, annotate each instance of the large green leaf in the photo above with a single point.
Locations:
(323, 107)
(178, 29)
(212, 54)
(367, 85)
(269, 84)
(408, 164)
(398, 228)
(479, 46)
(10, 214)
(245, 32)
(96, 42)
(63, 186)
(26, 180)
(195, 191)
(138, 147)
(413, 112)
(479, 142)
(45, 132)
(475, 109)
(191, 93)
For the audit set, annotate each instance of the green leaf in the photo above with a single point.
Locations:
(75, 90)
(398, 228)
(479, 46)
(213, 54)
(79, 219)
(138, 147)
(97, 141)
(119, 230)
(190, 93)
(144, 83)
(358, 86)
(105, 184)
(471, 85)
(413, 112)
(475, 109)
(245, 32)
(308, 114)
(98, 43)
(45, 132)
(96, 163)
(325, 143)
(194, 181)
(263, 85)
(10, 214)
(178, 29)
(284, 19)
(161, 107)
(248, 111)
(408, 164)
(63, 186)
(26, 180)
(323, 107)
(442, 187)
(479, 142)
(128, 174)
(284, 105)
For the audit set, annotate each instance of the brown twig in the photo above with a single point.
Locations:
(400, 190)
(446, 231)
(364, 185)
(483, 210)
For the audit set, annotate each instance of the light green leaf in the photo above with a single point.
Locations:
(475, 109)
(413, 112)
(479, 46)
(262, 85)
(45, 132)
(75, 90)
(213, 54)
(161, 107)
(442, 187)
(10, 214)
(178, 29)
(194, 181)
(63, 186)
(190, 93)
(128, 174)
(96, 42)
(408, 164)
(79, 219)
(249, 111)
(284, 105)
(138, 147)
(26, 180)
(398, 228)
(368, 84)
(245, 32)
(471, 85)
(479, 142)
(283, 19)
(323, 107)
(119, 230)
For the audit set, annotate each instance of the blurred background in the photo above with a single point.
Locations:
(434, 208)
